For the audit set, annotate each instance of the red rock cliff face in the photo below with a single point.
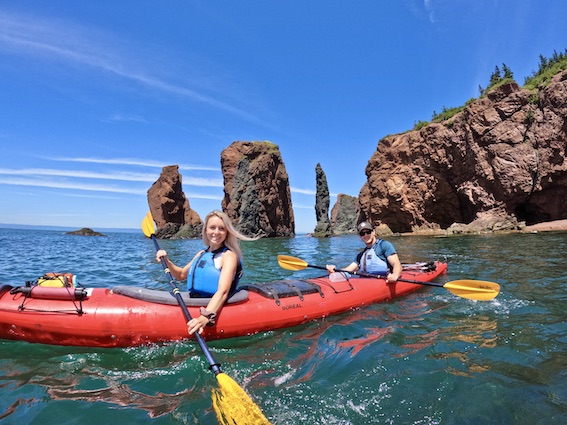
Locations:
(170, 208)
(504, 155)
(256, 187)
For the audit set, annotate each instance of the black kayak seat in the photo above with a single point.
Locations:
(5, 288)
(284, 289)
(164, 297)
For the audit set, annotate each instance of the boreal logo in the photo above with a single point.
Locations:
(291, 306)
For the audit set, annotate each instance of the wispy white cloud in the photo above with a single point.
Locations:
(302, 191)
(191, 196)
(91, 187)
(59, 179)
(428, 4)
(124, 176)
(119, 176)
(57, 184)
(125, 118)
(35, 177)
(131, 161)
(303, 207)
(422, 9)
(308, 192)
(197, 181)
(90, 48)
(87, 195)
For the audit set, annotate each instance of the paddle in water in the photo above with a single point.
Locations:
(231, 403)
(479, 290)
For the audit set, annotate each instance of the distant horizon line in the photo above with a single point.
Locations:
(63, 228)
(68, 228)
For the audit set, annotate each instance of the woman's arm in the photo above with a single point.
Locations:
(229, 264)
(179, 273)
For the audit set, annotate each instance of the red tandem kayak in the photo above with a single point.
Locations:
(126, 316)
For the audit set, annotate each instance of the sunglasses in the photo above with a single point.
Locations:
(364, 232)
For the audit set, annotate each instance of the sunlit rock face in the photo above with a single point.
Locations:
(502, 157)
(256, 189)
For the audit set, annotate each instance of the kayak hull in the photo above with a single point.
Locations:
(104, 317)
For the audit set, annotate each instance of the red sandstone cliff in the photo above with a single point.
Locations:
(503, 157)
(256, 189)
(170, 208)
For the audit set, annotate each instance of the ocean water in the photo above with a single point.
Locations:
(428, 358)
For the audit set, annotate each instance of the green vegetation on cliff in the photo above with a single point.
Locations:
(548, 67)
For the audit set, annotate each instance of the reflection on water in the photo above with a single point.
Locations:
(428, 358)
(118, 394)
(420, 342)
(478, 333)
(354, 346)
(120, 378)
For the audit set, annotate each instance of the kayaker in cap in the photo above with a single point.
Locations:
(379, 256)
(213, 272)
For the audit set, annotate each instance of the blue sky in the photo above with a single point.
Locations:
(98, 96)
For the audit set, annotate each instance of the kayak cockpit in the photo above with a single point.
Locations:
(164, 297)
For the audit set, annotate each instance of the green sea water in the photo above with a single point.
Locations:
(428, 358)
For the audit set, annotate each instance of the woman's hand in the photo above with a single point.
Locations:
(160, 254)
(331, 268)
(197, 324)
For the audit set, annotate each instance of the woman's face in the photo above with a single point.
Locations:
(216, 231)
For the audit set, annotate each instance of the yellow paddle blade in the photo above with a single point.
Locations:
(473, 289)
(291, 263)
(233, 406)
(148, 226)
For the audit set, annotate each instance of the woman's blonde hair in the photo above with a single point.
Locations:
(232, 235)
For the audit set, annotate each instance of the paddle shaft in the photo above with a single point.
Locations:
(213, 365)
(377, 276)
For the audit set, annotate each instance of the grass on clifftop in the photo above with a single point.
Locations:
(548, 67)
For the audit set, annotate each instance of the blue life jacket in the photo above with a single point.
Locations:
(374, 260)
(204, 275)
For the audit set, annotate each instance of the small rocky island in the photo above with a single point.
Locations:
(85, 231)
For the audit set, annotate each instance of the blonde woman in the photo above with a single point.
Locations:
(213, 272)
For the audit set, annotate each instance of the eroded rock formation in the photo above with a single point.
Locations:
(256, 189)
(170, 208)
(345, 215)
(502, 158)
(322, 204)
